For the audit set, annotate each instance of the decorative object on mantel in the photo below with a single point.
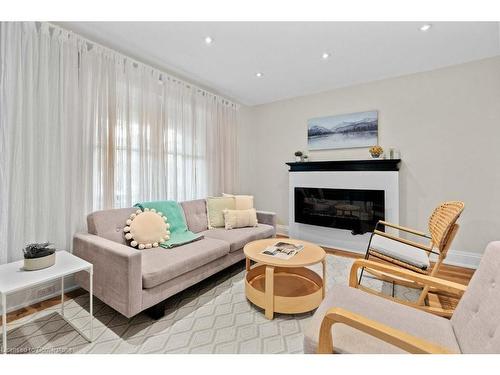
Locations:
(305, 158)
(299, 156)
(38, 256)
(343, 131)
(376, 151)
(394, 153)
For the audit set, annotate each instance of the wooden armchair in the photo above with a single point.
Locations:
(415, 256)
(352, 321)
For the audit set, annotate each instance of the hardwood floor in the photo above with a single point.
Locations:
(453, 273)
(40, 306)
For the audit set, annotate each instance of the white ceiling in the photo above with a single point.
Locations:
(289, 53)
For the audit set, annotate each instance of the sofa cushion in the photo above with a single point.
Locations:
(241, 202)
(195, 212)
(147, 229)
(240, 218)
(239, 237)
(160, 265)
(415, 322)
(109, 224)
(215, 210)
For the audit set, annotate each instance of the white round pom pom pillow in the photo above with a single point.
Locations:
(147, 229)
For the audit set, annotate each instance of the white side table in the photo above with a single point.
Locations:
(13, 278)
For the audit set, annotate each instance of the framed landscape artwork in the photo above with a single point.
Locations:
(343, 131)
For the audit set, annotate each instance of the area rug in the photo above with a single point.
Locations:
(211, 317)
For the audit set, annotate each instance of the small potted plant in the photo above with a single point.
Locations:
(305, 158)
(299, 156)
(376, 151)
(38, 256)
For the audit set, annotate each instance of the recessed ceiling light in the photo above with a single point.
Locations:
(325, 55)
(208, 40)
(425, 27)
(259, 74)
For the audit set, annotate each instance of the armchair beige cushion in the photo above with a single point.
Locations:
(476, 319)
(400, 251)
(473, 328)
(349, 340)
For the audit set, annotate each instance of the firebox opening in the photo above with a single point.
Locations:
(351, 209)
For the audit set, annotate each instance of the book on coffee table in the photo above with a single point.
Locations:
(282, 250)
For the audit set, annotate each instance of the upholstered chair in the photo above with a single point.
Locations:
(350, 320)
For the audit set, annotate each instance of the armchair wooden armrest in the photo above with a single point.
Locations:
(404, 229)
(405, 241)
(435, 282)
(381, 331)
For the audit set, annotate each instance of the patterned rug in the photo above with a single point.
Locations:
(213, 316)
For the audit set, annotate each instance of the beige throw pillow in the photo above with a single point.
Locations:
(242, 202)
(240, 218)
(215, 208)
(147, 229)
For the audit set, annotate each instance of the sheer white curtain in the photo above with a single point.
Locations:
(85, 128)
(43, 185)
(157, 138)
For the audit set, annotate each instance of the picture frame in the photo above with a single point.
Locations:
(353, 130)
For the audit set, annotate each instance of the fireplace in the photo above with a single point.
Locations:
(352, 209)
(329, 201)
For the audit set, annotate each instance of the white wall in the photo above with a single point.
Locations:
(445, 122)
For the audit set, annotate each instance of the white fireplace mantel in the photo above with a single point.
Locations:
(386, 179)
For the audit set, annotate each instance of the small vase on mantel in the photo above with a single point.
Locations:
(299, 156)
(376, 151)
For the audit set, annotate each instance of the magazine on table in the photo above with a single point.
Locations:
(282, 250)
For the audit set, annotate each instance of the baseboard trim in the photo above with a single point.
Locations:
(454, 258)
(463, 259)
(282, 230)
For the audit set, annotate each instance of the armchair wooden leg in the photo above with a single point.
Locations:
(442, 254)
(323, 288)
(425, 290)
(366, 258)
(325, 344)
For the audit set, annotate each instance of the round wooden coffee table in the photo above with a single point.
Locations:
(284, 285)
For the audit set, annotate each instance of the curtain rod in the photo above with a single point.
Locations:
(140, 63)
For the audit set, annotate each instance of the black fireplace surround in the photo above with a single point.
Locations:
(352, 209)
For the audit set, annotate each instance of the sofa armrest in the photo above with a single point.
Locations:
(265, 217)
(117, 272)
